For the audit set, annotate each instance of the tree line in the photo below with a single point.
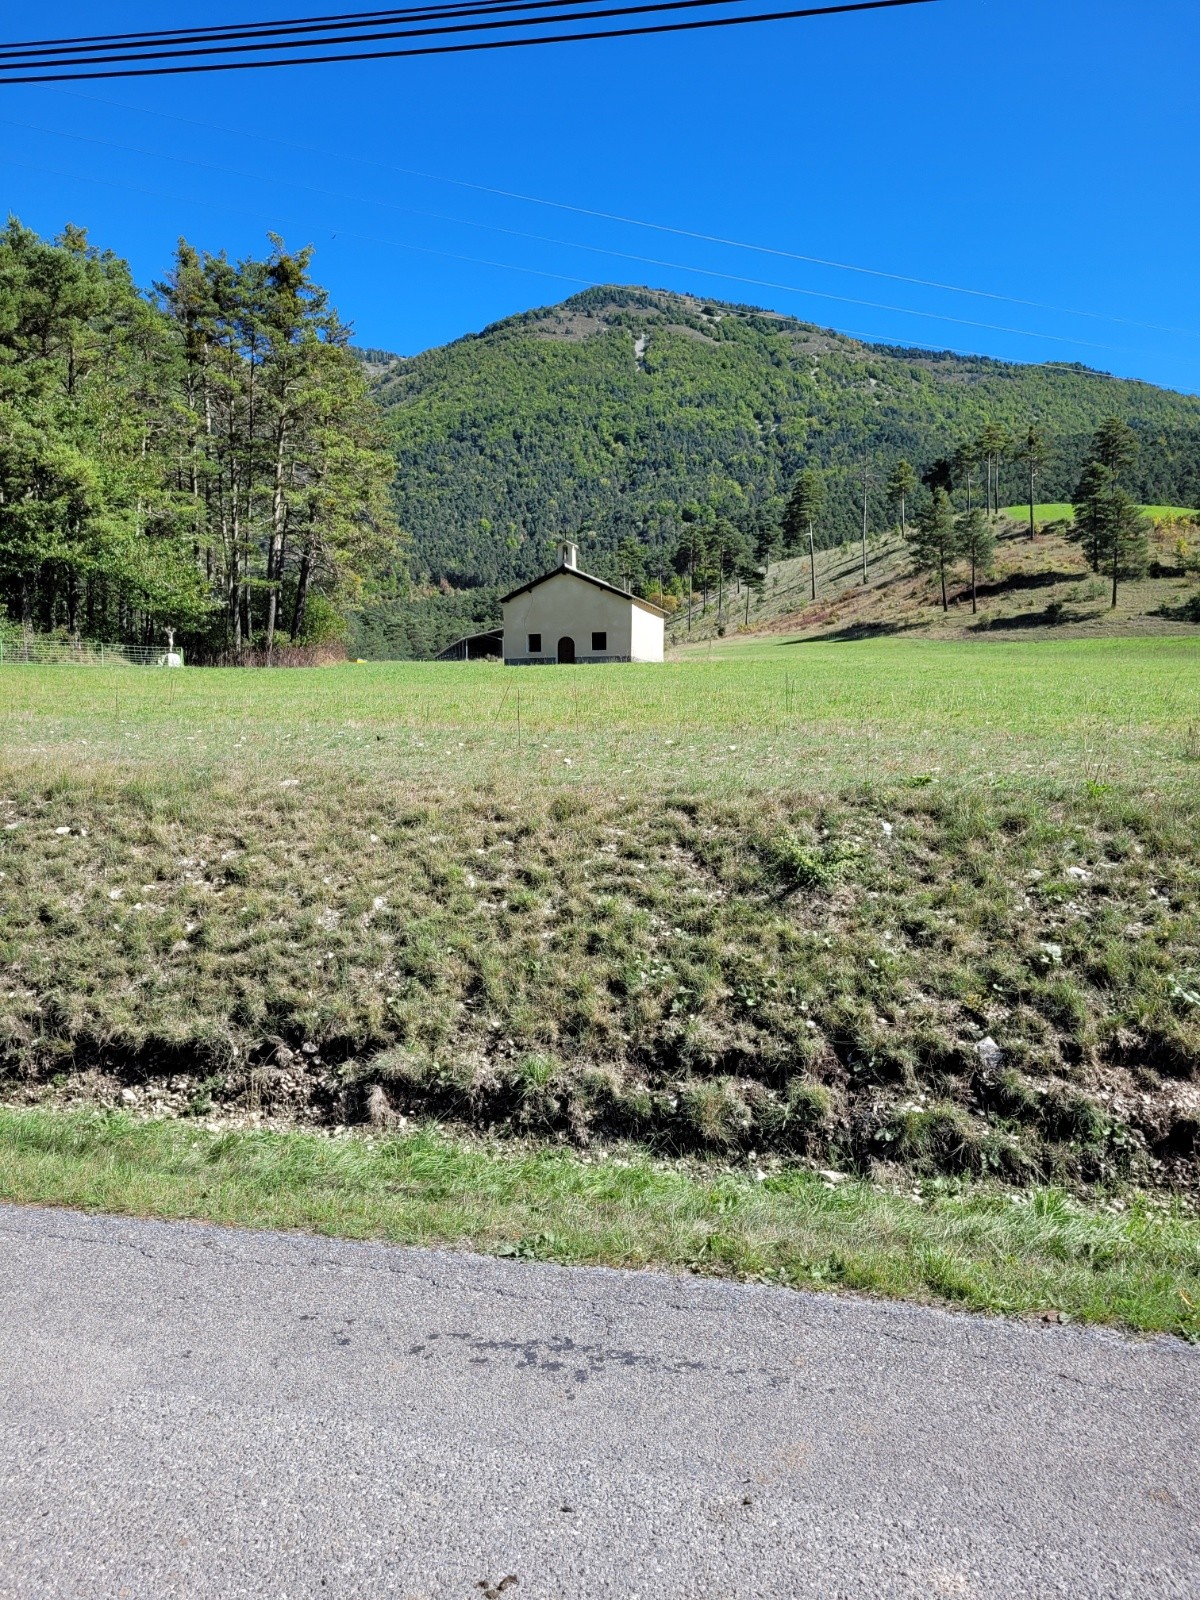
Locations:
(204, 458)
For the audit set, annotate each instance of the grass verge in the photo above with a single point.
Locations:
(1041, 1252)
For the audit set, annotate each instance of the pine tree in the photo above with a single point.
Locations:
(1033, 451)
(976, 543)
(993, 445)
(1110, 523)
(1114, 532)
(964, 465)
(801, 516)
(934, 539)
(901, 487)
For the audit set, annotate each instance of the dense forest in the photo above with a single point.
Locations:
(203, 458)
(212, 455)
(623, 413)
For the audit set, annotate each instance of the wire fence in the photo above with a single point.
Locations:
(31, 649)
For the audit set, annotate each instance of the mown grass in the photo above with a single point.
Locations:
(763, 713)
(1040, 1253)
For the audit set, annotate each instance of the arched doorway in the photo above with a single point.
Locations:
(566, 652)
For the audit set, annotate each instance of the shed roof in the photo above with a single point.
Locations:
(585, 577)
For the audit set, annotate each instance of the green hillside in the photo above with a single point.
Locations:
(611, 412)
(1063, 511)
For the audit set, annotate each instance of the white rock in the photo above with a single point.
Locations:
(989, 1053)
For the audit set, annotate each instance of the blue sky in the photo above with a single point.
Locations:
(1038, 150)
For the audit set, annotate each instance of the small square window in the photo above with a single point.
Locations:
(599, 641)
(535, 644)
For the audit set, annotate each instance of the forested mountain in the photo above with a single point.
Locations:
(610, 414)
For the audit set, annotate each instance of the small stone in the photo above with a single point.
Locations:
(379, 1110)
(989, 1053)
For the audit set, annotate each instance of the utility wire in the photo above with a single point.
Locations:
(85, 70)
(639, 222)
(593, 249)
(328, 24)
(446, 20)
(887, 342)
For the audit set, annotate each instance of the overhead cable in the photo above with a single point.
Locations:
(20, 67)
(641, 222)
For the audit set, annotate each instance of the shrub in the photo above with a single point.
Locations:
(801, 866)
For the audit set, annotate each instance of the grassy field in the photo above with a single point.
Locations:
(758, 711)
(1059, 511)
(915, 911)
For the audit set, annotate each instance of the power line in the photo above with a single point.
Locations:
(286, 25)
(569, 244)
(84, 70)
(858, 334)
(657, 227)
(446, 19)
(197, 38)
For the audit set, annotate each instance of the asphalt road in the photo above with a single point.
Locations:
(186, 1411)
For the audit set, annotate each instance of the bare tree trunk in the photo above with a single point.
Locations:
(275, 549)
(73, 605)
(864, 525)
(301, 596)
(1116, 556)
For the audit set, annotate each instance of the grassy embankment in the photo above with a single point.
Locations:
(753, 914)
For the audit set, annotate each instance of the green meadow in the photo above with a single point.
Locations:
(1060, 511)
(735, 714)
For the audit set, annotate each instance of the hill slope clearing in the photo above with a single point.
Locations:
(1040, 588)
